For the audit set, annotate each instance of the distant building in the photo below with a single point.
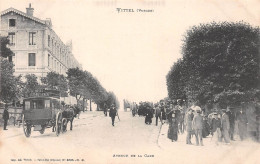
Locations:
(37, 48)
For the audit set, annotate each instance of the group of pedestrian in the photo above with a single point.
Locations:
(166, 111)
(194, 125)
(220, 127)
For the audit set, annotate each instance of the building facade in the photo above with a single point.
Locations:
(37, 48)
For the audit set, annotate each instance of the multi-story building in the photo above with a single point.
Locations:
(37, 48)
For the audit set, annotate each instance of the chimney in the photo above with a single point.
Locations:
(29, 11)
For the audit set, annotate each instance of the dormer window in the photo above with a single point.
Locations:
(12, 22)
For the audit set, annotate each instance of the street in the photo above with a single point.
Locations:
(94, 140)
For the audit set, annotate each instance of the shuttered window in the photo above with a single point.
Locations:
(32, 59)
(32, 38)
(11, 37)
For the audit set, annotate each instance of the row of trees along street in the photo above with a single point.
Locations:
(220, 65)
(78, 83)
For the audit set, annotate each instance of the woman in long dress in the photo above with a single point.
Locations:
(173, 126)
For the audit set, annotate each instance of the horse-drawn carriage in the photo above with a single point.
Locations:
(44, 110)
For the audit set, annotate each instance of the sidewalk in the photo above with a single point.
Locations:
(236, 152)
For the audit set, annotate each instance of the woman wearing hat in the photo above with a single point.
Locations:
(173, 125)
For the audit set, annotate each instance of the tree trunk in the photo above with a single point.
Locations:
(90, 108)
(83, 104)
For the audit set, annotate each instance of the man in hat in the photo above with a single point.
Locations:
(162, 106)
(158, 113)
(6, 116)
(105, 109)
(225, 126)
(188, 122)
(215, 128)
(231, 117)
(112, 113)
(181, 115)
(242, 124)
(198, 126)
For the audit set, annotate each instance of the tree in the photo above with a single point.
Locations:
(83, 85)
(112, 99)
(76, 80)
(8, 81)
(220, 64)
(31, 85)
(4, 50)
(56, 81)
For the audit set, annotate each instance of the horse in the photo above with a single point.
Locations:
(68, 116)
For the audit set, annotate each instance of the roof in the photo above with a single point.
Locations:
(22, 14)
(41, 97)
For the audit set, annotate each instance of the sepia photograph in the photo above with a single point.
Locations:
(129, 81)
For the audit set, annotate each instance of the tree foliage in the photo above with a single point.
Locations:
(76, 79)
(4, 50)
(220, 64)
(112, 99)
(83, 84)
(31, 85)
(56, 81)
(8, 81)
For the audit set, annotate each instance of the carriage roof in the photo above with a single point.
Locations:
(42, 97)
(44, 94)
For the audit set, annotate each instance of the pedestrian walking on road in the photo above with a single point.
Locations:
(225, 126)
(231, 117)
(173, 125)
(6, 116)
(163, 110)
(215, 128)
(105, 109)
(188, 123)
(198, 126)
(112, 113)
(158, 113)
(242, 124)
(148, 115)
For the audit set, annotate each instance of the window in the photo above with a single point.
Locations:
(54, 50)
(32, 59)
(49, 41)
(47, 104)
(11, 37)
(27, 105)
(54, 61)
(52, 44)
(38, 104)
(32, 38)
(11, 22)
(49, 60)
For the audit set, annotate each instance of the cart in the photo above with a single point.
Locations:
(42, 110)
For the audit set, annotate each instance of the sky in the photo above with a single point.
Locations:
(130, 53)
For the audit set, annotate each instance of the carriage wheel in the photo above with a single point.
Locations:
(58, 123)
(26, 128)
(64, 125)
(43, 129)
